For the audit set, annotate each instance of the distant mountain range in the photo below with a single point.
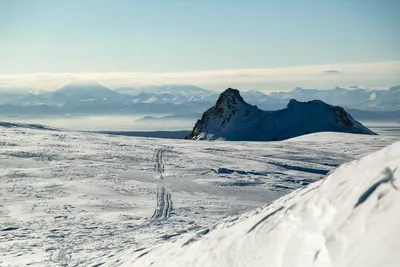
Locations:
(350, 98)
(231, 118)
(95, 99)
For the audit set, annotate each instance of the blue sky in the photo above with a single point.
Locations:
(78, 36)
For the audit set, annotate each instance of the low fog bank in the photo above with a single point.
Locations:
(157, 125)
(151, 134)
(109, 123)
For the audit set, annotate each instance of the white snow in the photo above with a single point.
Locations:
(349, 219)
(81, 199)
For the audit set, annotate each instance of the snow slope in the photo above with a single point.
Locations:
(84, 199)
(351, 218)
(235, 120)
(25, 125)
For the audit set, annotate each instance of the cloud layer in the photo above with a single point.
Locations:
(381, 74)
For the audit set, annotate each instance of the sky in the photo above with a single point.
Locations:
(44, 43)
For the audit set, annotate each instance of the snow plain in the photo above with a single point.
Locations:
(83, 199)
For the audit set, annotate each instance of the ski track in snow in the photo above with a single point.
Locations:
(164, 197)
(159, 163)
(79, 199)
(164, 204)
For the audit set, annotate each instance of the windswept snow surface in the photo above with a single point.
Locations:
(349, 219)
(84, 199)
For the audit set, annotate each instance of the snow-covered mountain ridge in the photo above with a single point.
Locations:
(355, 98)
(233, 119)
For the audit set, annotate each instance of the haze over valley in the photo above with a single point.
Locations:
(93, 107)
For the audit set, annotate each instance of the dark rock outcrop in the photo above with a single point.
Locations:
(233, 119)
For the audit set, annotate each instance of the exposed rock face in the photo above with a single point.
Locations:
(233, 119)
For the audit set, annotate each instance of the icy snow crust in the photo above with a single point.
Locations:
(235, 120)
(83, 199)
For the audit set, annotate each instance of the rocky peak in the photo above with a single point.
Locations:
(228, 102)
(229, 98)
(292, 103)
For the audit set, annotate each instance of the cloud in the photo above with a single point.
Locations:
(368, 74)
(332, 71)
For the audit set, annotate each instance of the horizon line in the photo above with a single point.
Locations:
(368, 74)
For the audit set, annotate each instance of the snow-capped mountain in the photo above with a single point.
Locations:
(354, 98)
(75, 92)
(384, 100)
(173, 98)
(335, 96)
(16, 94)
(92, 98)
(162, 89)
(234, 119)
(85, 91)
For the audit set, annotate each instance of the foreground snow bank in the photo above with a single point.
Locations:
(351, 218)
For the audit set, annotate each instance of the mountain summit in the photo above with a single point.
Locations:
(86, 90)
(233, 119)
